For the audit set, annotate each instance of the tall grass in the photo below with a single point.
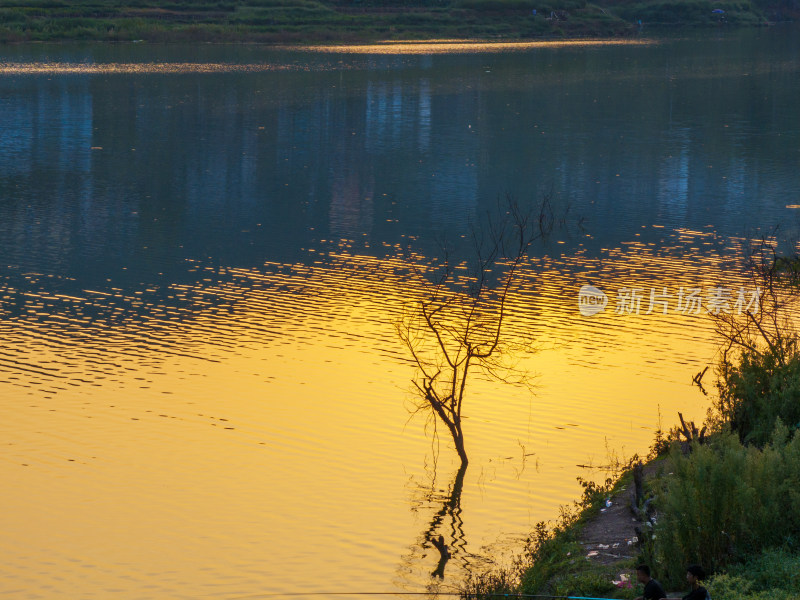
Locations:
(727, 502)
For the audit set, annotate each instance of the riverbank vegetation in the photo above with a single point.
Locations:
(728, 498)
(343, 21)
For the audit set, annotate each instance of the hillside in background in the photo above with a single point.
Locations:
(297, 21)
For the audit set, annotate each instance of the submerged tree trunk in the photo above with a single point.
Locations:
(451, 507)
(458, 440)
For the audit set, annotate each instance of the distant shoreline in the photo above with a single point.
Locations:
(346, 22)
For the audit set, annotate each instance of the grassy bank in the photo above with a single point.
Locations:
(733, 507)
(302, 21)
(726, 497)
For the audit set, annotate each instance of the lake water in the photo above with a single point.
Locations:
(202, 393)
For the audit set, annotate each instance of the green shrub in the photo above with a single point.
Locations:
(772, 575)
(727, 502)
(759, 389)
(776, 568)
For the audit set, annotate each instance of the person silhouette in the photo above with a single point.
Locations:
(694, 575)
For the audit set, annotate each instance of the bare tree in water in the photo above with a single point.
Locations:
(456, 326)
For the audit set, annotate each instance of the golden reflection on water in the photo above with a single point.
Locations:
(446, 46)
(388, 47)
(91, 68)
(256, 440)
